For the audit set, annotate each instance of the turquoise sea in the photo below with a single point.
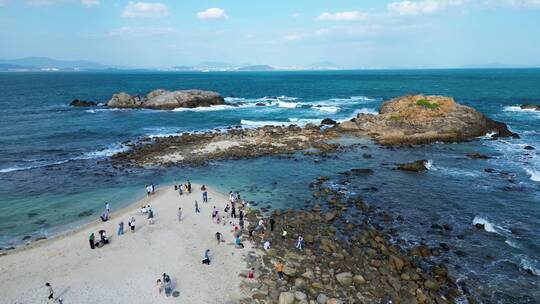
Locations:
(54, 165)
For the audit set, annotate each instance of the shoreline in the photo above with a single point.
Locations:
(74, 269)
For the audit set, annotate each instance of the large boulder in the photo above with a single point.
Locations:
(423, 119)
(167, 100)
(415, 166)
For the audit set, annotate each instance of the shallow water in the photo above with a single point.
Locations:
(53, 158)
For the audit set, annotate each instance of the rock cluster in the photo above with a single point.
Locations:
(423, 119)
(343, 261)
(82, 103)
(236, 143)
(167, 100)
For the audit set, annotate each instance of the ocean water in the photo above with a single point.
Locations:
(55, 173)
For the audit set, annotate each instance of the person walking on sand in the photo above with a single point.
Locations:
(205, 196)
(197, 207)
(206, 257)
(148, 190)
(167, 284)
(188, 186)
(121, 228)
(159, 285)
(218, 237)
(91, 239)
(131, 224)
(151, 216)
(50, 291)
(179, 214)
(108, 207)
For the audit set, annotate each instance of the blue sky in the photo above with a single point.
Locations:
(351, 33)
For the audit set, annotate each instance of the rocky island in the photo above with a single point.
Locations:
(401, 121)
(166, 100)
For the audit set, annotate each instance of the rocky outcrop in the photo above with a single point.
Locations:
(328, 121)
(167, 100)
(416, 166)
(82, 103)
(423, 119)
(528, 106)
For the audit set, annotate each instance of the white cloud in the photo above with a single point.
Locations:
(292, 37)
(145, 9)
(343, 16)
(43, 2)
(126, 31)
(294, 15)
(516, 3)
(212, 13)
(413, 8)
(90, 3)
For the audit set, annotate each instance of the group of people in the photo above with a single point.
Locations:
(182, 188)
(103, 240)
(164, 284)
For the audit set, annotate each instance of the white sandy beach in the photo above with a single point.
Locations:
(126, 270)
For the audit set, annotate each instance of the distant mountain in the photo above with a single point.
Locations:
(214, 65)
(496, 65)
(45, 63)
(260, 67)
(12, 67)
(325, 65)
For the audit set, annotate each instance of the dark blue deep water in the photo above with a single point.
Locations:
(54, 158)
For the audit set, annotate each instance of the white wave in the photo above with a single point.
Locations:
(287, 105)
(429, 165)
(511, 243)
(287, 98)
(110, 151)
(329, 109)
(42, 165)
(534, 175)
(234, 99)
(519, 109)
(366, 111)
(292, 121)
(354, 98)
(490, 227)
(212, 108)
(530, 265)
(305, 121)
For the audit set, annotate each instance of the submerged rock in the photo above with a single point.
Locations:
(416, 166)
(82, 103)
(476, 155)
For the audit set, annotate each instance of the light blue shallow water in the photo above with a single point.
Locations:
(54, 165)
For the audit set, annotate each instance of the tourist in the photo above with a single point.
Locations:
(180, 191)
(105, 216)
(153, 188)
(214, 213)
(179, 214)
(206, 257)
(267, 245)
(151, 216)
(300, 243)
(233, 212)
(131, 224)
(251, 273)
(218, 237)
(121, 228)
(167, 284)
(159, 285)
(272, 223)
(227, 209)
(238, 242)
(144, 210)
(203, 188)
(50, 291)
(107, 207)
(261, 225)
(103, 238)
(241, 214)
(91, 239)
(188, 186)
(241, 224)
(197, 207)
(205, 196)
(175, 185)
(279, 268)
(284, 233)
(148, 190)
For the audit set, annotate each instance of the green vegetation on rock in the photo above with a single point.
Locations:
(426, 104)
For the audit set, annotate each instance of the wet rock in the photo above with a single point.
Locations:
(328, 121)
(260, 104)
(528, 106)
(528, 148)
(476, 155)
(361, 171)
(366, 155)
(82, 103)
(26, 237)
(432, 284)
(86, 213)
(416, 166)
(330, 216)
(479, 226)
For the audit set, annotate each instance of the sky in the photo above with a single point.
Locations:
(349, 33)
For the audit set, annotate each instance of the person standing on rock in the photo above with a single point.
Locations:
(121, 228)
(91, 239)
(279, 268)
(272, 223)
(300, 243)
(197, 207)
(233, 212)
(267, 245)
(179, 214)
(284, 233)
